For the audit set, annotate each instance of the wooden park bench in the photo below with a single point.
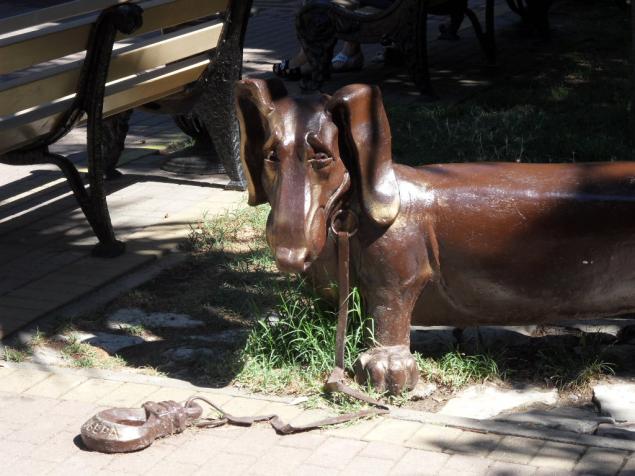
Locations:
(176, 56)
(320, 24)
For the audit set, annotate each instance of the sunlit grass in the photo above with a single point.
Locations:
(13, 354)
(456, 369)
(293, 349)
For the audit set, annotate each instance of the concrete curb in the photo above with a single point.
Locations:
(512, 429)
(461, 423)
(126, 377)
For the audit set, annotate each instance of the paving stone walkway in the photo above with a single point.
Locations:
(41, 412)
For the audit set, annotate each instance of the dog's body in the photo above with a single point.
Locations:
(509, 244)
(456, 244)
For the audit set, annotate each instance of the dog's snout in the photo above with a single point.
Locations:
(292, 260)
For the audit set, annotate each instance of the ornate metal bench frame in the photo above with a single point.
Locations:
(210, 98)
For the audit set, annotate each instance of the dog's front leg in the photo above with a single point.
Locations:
(389, 365)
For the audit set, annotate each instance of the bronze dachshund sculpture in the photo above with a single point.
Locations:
(453, 244)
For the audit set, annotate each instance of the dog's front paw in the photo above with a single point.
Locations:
(391, 369)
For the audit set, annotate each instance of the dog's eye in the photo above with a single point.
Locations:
(320, 161)
(272, 156)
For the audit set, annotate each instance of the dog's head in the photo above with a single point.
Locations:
(303, 155)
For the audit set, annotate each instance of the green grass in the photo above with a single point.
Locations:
(22, 352)
(38, 339)
(240, 225)
(80, 354)
(513, 133)
(86, 356)
(571, 369)
(294, 352)
(565, 368)
(456, 369)
(137, 330)
(564, 101)
(13, 354)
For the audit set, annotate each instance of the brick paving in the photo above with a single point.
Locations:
(41, 413)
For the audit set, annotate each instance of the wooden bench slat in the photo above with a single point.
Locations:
(20, 51)
(37, 30)
(61, 81)
(54, 13)
(132, 93)
(22, 129)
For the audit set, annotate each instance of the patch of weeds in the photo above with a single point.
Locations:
(113, 362)
(80, 354)
(13, 354)
(147, 370)
(240, 225)
(67, 326)
(294, 352)
(136, 330)
(343, 403)
(258, 375)
(572, 369)
(257, 259)
(86, 356)
(398, 400)
(456, 369)
(22, 351)
(38, 339)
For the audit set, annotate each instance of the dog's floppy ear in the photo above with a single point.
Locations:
(358, 111)
(255, 104)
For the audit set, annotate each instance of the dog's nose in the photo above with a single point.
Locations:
(292, 260)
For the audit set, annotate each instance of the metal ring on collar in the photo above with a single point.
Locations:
(344, 221)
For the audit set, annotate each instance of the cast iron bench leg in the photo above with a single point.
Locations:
(216, 107)
(92, 202)
(115, 129)
(416, 52)
(97, 62)
(219, 118)
(93, 205)
(486, 38)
